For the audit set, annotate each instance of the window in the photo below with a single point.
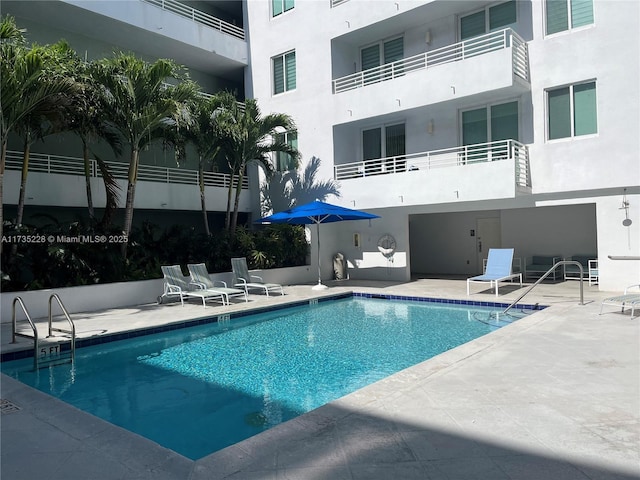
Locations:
(382, 53)
(487, 20)
(387, 142)
(572, 111)
(284, 161)
(489, 124)
(280, 6)
(284, 72)
(562, 15)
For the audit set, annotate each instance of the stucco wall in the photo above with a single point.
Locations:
(89, 298)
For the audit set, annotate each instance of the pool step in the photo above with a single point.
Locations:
(54, 350)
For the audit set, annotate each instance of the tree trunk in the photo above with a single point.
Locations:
(227, 218)
(131, 191)
(236, 202)
(3, 159)
(23, 179)
(23, 188)
(202, 199)
(87, 176)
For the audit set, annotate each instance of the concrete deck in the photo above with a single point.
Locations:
(553, 396)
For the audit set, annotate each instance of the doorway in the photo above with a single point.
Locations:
(487, 236)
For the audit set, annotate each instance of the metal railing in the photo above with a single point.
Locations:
(335, 3)
(549, 272)
(198, 16)
(443, 158)
(473, 47)
(14, 328)
(62, 165)
(72, 326)
(71, 332)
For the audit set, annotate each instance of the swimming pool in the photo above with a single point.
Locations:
(200, 389)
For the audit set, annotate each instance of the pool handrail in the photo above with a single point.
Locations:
(549, 272)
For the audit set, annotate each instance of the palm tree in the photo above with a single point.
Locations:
(248, 137)
(26, 91)
(140, 104)
(289, 189)
(203, 135)
(86, 118)
(49, 119)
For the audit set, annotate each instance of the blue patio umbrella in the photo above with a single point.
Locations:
(316, 213)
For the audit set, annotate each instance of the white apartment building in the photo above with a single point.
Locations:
(464, 125)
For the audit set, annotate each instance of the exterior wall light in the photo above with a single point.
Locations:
(430, 127)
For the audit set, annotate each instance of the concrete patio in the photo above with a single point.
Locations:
(554, 396)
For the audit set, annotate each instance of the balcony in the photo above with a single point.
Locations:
(199, 17)
(474, 172)
(457, 52)
(153, 28)
(488, 67)
(62, 165)
(59, 181)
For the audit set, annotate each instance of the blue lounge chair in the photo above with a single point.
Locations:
(498, 269)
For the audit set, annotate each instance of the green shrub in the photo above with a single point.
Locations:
(51, 258)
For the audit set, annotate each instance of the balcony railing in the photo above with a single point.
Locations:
(501, 150)
(146, 173)
(335, 3)
(473, 47)
(198, 16)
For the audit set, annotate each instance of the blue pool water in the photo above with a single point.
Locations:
(200, 389)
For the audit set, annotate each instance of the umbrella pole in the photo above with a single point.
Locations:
(319, 286)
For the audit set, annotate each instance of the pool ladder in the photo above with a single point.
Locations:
(44, 350)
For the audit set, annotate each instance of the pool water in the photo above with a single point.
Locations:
(201, 389)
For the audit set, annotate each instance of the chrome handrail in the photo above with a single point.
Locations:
(71, 332)
(549, 272)
(15, 333)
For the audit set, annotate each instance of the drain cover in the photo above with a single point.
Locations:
(8, 407)
(255, 419)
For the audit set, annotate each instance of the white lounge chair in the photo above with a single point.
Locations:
(625, 300)
(242, 278)
(498, 269)
(175, 284)
(200, 277)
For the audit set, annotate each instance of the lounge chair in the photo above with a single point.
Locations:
(175, 284)
(200, 277)
(625, 300)
(242, 278)
(498, 269)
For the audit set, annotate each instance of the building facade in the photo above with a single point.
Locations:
(464, 125)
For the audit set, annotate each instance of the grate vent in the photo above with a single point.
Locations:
(7, 407)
